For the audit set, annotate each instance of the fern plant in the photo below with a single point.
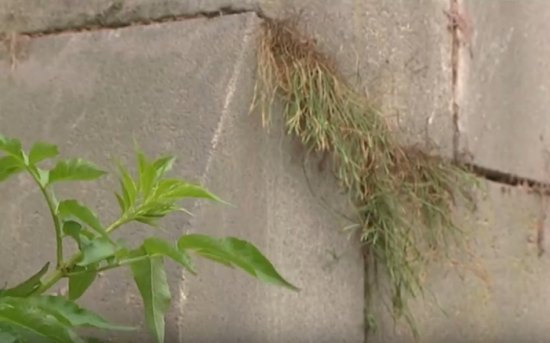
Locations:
(29, 314)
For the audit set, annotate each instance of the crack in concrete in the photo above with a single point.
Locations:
(532, 185)
(455, 53)
(101, 21)
(459, 24)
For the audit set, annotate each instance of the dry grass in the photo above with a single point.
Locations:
(404, 197)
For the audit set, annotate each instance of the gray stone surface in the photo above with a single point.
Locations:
(505, 89)
(181, 88)
(398, 52)
(52, 15)
(263, 176)
(498, 291)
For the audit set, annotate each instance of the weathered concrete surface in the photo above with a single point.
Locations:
(263, 175)
(398, 52)
(181, 88)
(499, 291)
(406, 50)
(38, 16)
(92, 93)
(504, 98)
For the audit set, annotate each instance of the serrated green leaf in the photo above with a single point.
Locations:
(158, 209)
(128, 187)
(75, 170)
(153, 210)
(79, 283)
(21, 336)
(166, 185)
(121, 203)
(72, 208)
(146, 174)
(235, 252)
(217, 258)
(75, 230)
(72, 229)
(97, 250)
(28, 286)
(41, 151)
(183, 190)
(148, 220)
(155, 246)
(12, 146)
(150, 278)
(31, 321)
(9, 166)
(8, 334)
(69, 312)
(163, 165)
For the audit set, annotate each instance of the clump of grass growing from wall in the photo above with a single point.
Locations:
(404, 197)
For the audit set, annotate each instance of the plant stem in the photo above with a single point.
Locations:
(118, 223)
(57, 224)
(60, 271)
(52, 207)
(57, 275)
(119, 264)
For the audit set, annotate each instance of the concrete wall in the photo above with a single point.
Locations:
(178, 75)
(182, 87)
(497, 290)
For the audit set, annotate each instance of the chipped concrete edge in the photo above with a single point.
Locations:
(57, 17)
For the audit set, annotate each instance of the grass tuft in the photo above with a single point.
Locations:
(404, 196)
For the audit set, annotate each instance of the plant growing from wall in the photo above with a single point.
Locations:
(29, 314)
(404, 197)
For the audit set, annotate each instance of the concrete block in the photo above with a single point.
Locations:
(54, 15)
(397, 53)
(498, 290)
(504, 89)
(166, 85)
(294, 216)
(182, 88)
